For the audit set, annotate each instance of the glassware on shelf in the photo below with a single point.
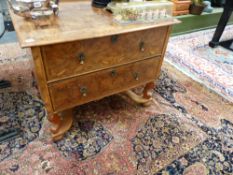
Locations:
(141, 12)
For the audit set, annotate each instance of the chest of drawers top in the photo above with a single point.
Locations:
(76, 21)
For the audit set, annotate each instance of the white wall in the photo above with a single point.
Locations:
(3, 5)
(2, 27)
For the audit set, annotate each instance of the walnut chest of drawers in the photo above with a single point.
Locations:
(82, 55)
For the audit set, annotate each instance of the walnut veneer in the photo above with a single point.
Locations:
(75, 58)
(84, 56)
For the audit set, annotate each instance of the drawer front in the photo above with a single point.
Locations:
(80, 57)
(93, 86)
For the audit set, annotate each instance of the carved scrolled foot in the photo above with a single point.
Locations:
(61, 124)
(136, 98)
(58, 137)
(56, 121)
(146, 98)
(148, 90)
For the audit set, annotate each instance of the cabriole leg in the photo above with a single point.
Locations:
(61, 123)
(146, 97)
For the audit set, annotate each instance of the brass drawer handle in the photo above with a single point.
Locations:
(83, 91)
(136, 76)
(81, 58)
(114, 39)
(113, 73)
(142, 46)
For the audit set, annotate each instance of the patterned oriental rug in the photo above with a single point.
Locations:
(185, 131)
(191, 54)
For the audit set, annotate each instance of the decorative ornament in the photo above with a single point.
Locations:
(34, 9)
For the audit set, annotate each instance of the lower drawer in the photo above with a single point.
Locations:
(82, 89)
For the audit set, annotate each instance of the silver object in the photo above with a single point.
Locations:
(34, 8)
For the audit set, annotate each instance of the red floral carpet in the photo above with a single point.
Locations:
(187, 130)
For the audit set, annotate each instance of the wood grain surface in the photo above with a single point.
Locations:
(80, 57)
(41, 80)
(68, 93)
(84, 56)
(76, 21)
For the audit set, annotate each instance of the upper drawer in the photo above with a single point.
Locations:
(79, 57)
